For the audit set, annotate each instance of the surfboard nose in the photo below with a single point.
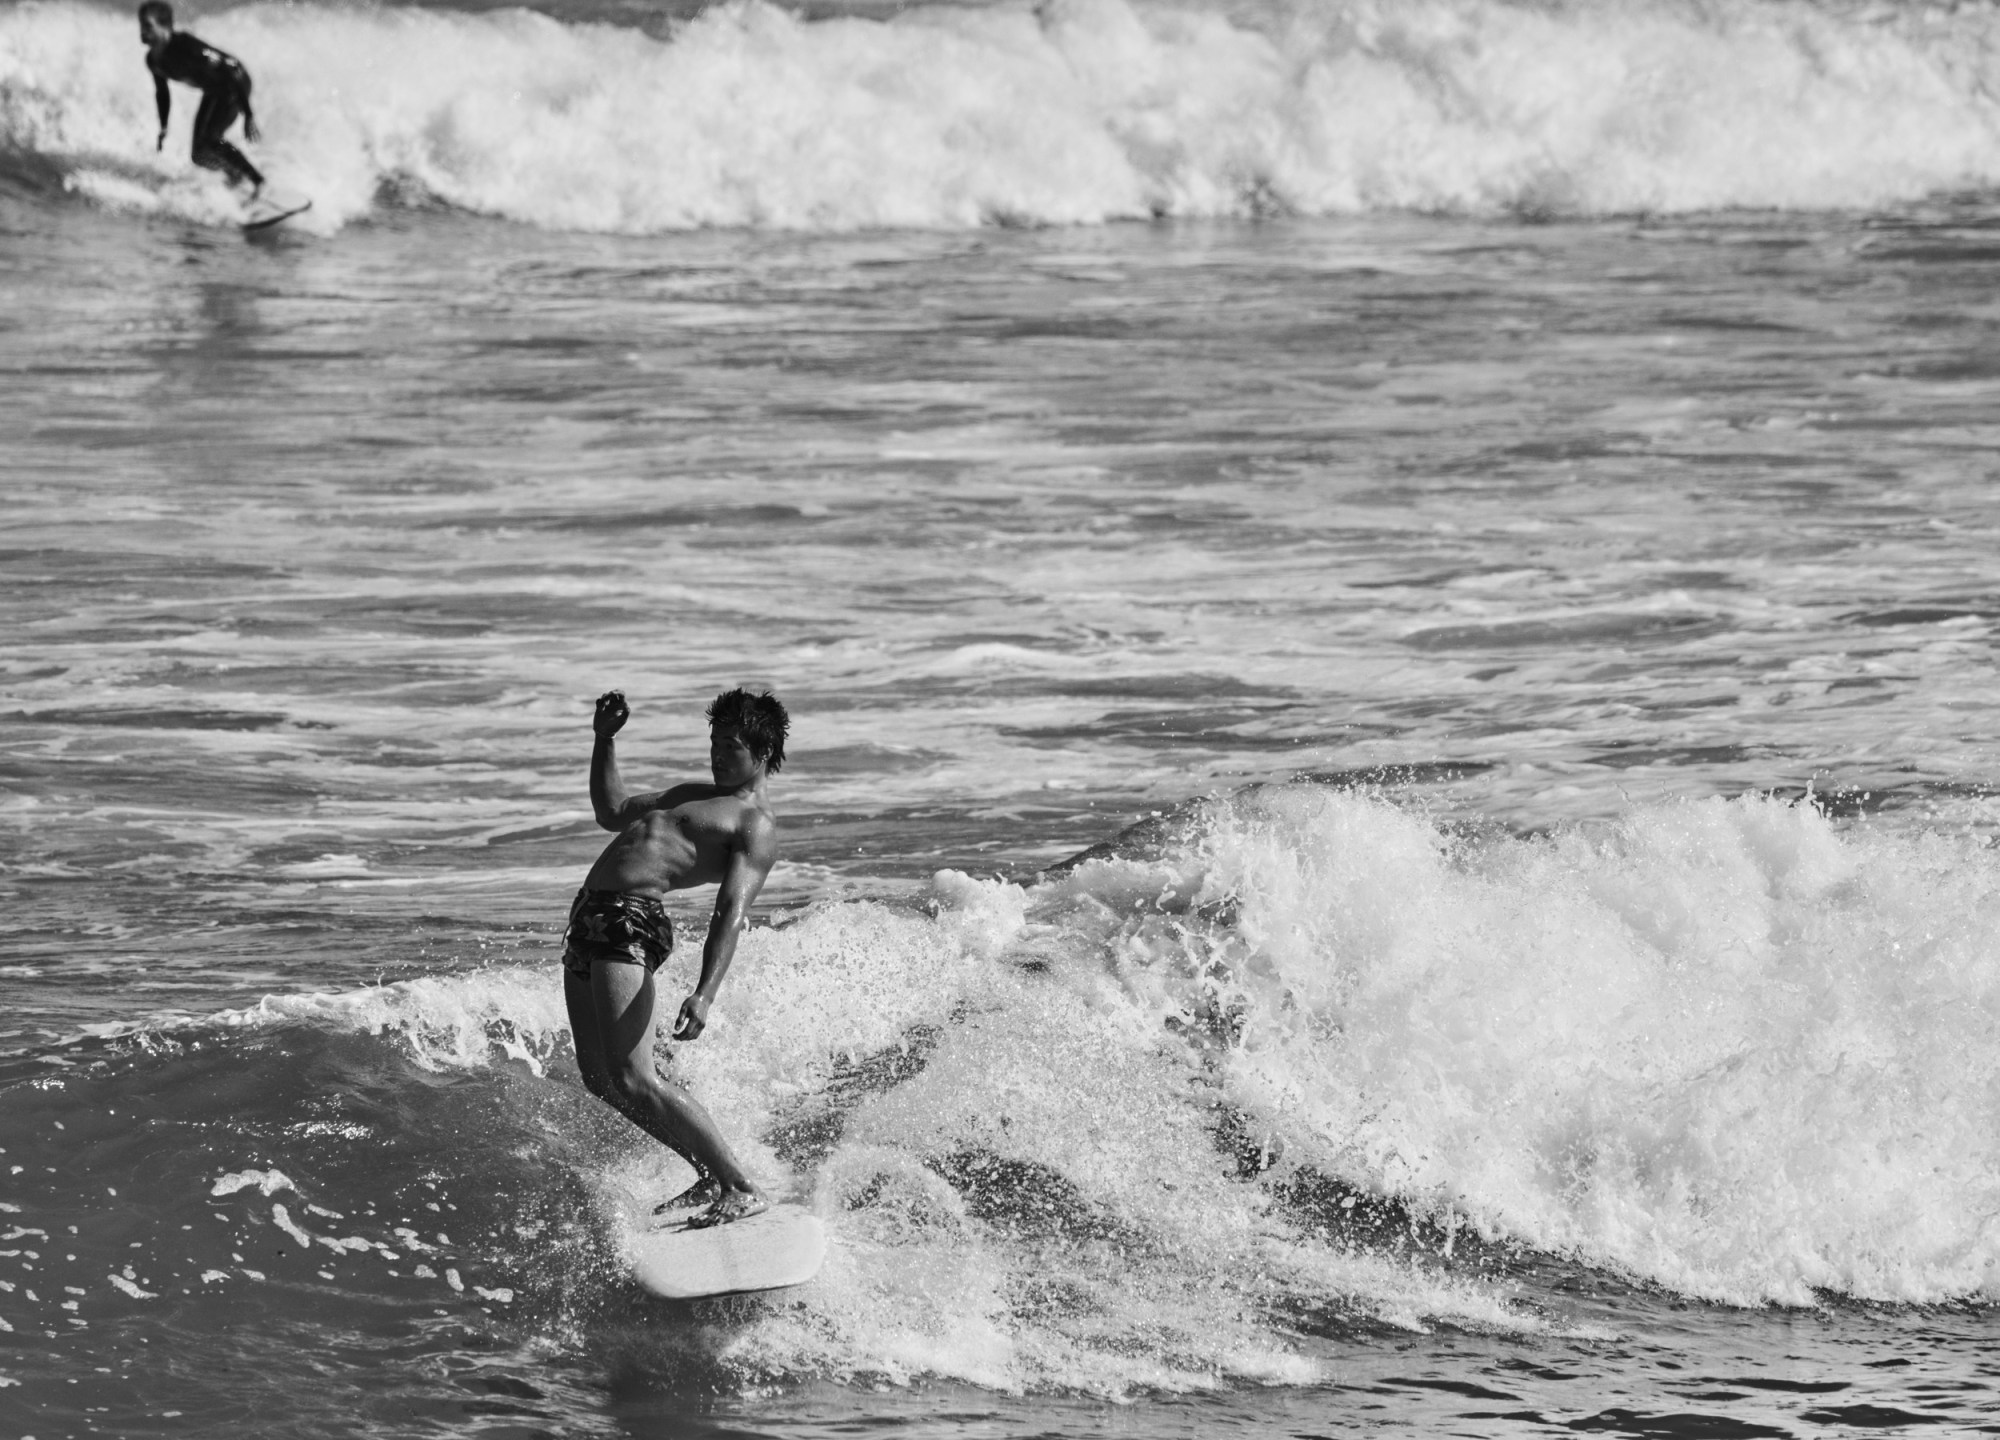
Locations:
(271, 206)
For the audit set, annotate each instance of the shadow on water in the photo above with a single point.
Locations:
(807, 1129)
(1028, 1200)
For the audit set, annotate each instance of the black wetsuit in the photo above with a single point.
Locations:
(225, 94)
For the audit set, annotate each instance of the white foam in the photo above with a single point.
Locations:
(1074, 111)
(267, 1182)
(1723, 1046)
(283, 1220)
(1159, 1264)
(447, 1022)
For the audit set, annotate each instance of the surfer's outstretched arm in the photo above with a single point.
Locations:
(156, 29)
(164, 100)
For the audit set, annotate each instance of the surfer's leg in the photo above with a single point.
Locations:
(590, 1061)
(623, 994)
(219, 109)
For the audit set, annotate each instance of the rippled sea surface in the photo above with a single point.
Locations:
(314, 553)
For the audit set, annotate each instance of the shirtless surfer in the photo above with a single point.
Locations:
(695, 833)
(225, 92)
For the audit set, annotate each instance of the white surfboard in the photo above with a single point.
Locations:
(783, 1246)
(271, 207)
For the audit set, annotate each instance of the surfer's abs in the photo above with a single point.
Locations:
(669, 850)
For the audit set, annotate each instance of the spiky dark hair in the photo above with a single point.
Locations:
(760, 719)
(158, 10)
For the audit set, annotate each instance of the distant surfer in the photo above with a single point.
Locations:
(225, 93)
(695, 833)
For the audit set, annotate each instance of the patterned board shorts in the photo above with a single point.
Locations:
(612, 925)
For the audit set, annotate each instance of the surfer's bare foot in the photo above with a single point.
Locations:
(705, 1191)
(731, 1205)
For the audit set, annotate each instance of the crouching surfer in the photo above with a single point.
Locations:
(225, 92)
(696, 833)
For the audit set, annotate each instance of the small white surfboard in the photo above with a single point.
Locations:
(783, 1246)
(271, 207)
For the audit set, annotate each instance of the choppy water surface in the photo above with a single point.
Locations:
(1429, 626)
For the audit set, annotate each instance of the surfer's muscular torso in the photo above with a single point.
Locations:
(721, 834)
(690, 836)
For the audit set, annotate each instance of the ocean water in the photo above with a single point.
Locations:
(1390, 618)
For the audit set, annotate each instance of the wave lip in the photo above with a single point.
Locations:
(1073, 112)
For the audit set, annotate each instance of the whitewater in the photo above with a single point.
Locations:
(1668, 1046)
(1297, 1063)
(1067, 112)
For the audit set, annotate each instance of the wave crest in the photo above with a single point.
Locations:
(1073, 112)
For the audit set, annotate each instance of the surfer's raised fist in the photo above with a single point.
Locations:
(612, 713)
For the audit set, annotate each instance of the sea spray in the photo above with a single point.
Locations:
(1070, 112)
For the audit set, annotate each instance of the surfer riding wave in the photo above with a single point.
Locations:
(225, 93)
(696, 833)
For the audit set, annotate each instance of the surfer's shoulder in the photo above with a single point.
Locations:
(757, 831)
(685, 793)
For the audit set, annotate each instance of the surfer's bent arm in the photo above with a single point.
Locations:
(242, 77)
(607, 789)
(750, 863)
(614, 806)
